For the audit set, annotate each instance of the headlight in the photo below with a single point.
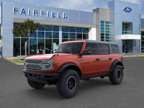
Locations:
(47, 64)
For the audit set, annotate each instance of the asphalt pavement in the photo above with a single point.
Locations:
(96, 93)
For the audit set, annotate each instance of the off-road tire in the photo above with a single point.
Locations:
(116, 75)
(68, 83)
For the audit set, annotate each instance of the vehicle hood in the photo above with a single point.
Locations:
(45, 56)
(40, 57)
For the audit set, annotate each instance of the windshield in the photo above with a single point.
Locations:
(72, 48)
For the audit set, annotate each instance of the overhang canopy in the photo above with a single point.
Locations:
(129, 37)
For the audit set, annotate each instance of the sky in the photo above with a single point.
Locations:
(86, 5)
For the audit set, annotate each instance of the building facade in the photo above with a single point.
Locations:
(120, 22)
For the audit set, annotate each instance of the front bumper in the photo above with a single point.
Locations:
(42, 77)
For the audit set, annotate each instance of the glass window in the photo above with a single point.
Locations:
(72, 48)
(127, 28)
(41, 34)
(105, 30)
(16, 46)
(115, 49)
(72, 36)
(24, 46)
(85, 30)
(41, 28)
(102, 30)
(72, 29)
(55, 34)
(48, 48)
(96, 49)
(55, 28)
(48, 28)
(55, 44)
(33, 46)
(142, 41)
(65, 35)
(41, 47)
(46, 38)
(48, 34)
(34, 34)
(65, 29)
(65, 39)
(74, 33)
(85, 36)
(89, 50)
(78, 30)
(79, 36)
(102, 22)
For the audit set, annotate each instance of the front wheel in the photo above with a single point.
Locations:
(116, 76)
(68, 83)
(35, 85)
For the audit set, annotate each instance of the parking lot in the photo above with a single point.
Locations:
(96, 93)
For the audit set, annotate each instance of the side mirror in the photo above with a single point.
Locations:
(81, 54)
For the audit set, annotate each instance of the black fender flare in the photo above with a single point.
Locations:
(68, 66)
(116, 62)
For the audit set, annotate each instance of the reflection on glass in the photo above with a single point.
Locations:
(41, 34)
(55, 34)
(55, 44)
(48, 48)
(24, 46)
(33, 46)
(16, 46)
(79, 36)
(41, 48)
(48, 34)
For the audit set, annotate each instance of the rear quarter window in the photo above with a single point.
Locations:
(115, 49)
(97, 49)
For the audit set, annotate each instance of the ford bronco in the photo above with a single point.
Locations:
(74, 61)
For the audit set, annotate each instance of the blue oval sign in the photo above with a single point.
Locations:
(127, 9)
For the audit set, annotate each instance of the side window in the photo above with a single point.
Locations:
(115, 49)
(103, 49)
(89, 50)
(96, 49)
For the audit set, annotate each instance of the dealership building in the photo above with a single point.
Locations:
(119, 22)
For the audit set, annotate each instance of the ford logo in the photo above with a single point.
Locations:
(127, 9)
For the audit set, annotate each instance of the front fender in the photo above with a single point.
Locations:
(116, 62)
(69, 65)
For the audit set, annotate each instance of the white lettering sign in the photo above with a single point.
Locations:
(41, 13)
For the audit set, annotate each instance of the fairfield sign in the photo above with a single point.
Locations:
(25, 12)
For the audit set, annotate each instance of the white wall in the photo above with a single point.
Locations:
(121, 16)
(7, 29)
(92, 34)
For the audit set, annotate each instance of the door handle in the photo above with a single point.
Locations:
(110, 59)
(97, 59)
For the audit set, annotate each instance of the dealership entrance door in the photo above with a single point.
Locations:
(131, 46)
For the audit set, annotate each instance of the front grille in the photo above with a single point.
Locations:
(33, 61)
(33, 64)
(33, 67)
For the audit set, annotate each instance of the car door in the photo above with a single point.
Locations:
(103, 57)
(90, 62)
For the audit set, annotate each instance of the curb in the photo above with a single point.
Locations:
(132, 56)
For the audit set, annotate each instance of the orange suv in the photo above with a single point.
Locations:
(74, 61)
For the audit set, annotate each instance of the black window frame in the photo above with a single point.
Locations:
(111, 49)
(65, 46)
(94, 43)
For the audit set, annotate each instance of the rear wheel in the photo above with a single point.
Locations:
(116, 76)
(36, 85)
(68, 83)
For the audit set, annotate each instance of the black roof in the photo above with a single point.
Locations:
(93, 41)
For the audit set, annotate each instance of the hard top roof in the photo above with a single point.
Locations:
(91, 41)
